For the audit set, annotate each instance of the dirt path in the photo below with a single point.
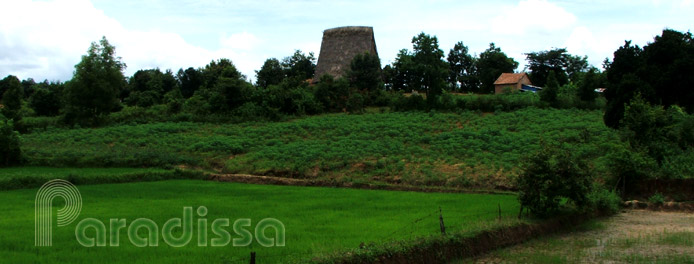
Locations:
(634, 236)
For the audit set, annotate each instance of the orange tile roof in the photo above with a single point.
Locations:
(510, 78)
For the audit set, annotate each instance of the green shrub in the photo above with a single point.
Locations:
(604, 200)
(657, 199)
(10, 152)
(551, 175)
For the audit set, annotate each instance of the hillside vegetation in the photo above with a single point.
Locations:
(468, 149)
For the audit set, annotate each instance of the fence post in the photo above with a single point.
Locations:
(499, 211)
(443, 227)
(252, 257)
(521, 212)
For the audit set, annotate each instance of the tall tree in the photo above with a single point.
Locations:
(98, 79)
(299, 65)
(463, 74)
(189, 81)
(564, 65)
(430, 70)
(271, 73)
(403, 72)
(588, 84)
(549, 93)
(11, 97)
(661, 72)
(491, 64)
(365, 72)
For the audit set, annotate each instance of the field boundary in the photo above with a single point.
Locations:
(273, 180)
(443, 249)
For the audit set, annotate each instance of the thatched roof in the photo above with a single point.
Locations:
(510, 78)
(339, 47)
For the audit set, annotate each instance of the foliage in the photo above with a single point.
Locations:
(11, 97)
(189, 81)
(463, 75)
(45, 102)
(299, 66)
(92, 92)
(588, 84)
(271, 73)
(10, 151)
(563, 64)
(660, 72)
(491, 64)
(332, 94)
(657, 199)
(430, 70)
(147, 87)
(551, 90)
(603, 200)
(550, 175)
(465, 149)
(365, 73)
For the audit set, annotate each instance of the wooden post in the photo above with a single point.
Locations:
(499, 211)
(520, 213)
(252, 257)
(443, 227)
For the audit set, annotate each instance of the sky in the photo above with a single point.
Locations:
(45, 39)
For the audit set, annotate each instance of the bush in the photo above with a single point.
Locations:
(604, 200)
(550, 175)
(10, 152)
(657, 199)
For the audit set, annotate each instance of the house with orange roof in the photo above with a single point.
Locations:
(513, 81)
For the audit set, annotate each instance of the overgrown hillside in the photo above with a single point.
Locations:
(469, 149)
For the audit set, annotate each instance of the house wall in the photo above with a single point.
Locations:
(499, 88)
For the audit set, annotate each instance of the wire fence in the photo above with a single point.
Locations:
(406, 231)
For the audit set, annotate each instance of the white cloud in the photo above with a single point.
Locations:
(532, 15)
(44, 40)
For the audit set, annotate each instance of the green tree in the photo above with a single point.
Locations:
(10, 151)
(300, 66)
(11, 97)
(45, 102)
(225, 88)
(660, 72)
(270, 74)
(98, 79)
(564, 65)
(402, 74)
(189, 81)
(463, 74)
(491, 64)
(550, 91)
(550, 175)
(365, 72)
(589, 82)
(147, 87)
(430, 70)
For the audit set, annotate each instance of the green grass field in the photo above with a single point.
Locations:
(467, 149)
(318, 220)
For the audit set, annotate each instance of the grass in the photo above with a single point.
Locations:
(466, 149)
(318, 220)
(29, 177)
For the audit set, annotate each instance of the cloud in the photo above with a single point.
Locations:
(45, 39)
(532, 15)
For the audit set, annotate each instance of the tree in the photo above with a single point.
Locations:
(98, 79)
(660, 72)
(491, 64)
(564, 65)
(365, 72)
(225, 88)
(462, 69)
(10, 151)
(270, 74)
(189, 81)
(402, 74)
(299, 65)
(45, 102)
(11, 97)
(430, 70)
(147, 87)
(589, 82)
(550, 91)
(549, 175)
